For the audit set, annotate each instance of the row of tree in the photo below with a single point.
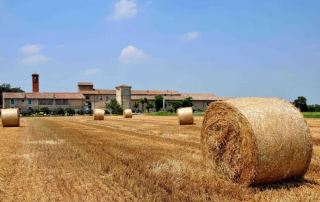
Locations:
(113, 106)
(301, 103)
(54, 112)
(157, 104)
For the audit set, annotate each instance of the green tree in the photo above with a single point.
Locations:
(45, 110)
(187, 102)
(143, 101)
(150, 105)
(158, 102)
(114, 107)
(136, 105)
(176, 104)
(7, 88)
(301, 103)
(70, 111)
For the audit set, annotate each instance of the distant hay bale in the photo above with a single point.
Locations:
(185, 115)
(256, 140)
(10, 117)
(98, 114)
(127, 113)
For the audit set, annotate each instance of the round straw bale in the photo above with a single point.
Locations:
(98, 114)
(185, 115)
(127, 113)
(10, 117)
(256, 140)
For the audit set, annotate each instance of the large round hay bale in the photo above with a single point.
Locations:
(10, 117)
(256, 140)
(127, 113)
(98, 114)
(185, 115)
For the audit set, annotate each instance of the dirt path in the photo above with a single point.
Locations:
(145, 158)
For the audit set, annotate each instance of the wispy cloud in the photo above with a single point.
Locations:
(31, 55)
(91, 71)
(132, 53)
(190, 36)
(30, 49)
(124, 9)
(35, 59)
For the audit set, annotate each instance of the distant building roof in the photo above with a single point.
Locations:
(70, 96)
(154, 92)
(13, 95)
(195, 96)
(85, 84)
(99, 92)
(123, 86)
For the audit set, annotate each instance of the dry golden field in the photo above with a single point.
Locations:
(141, 159)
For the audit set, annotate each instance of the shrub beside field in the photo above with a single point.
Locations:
(311, 114)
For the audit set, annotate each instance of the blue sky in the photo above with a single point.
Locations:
(230, 48)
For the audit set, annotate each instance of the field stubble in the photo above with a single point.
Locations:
(144, 158)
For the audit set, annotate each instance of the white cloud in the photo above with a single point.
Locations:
(190, 36)
(30, 49)
(124, 9)
(35, 59)
(131, 53)
(31, 55)
(91, 72)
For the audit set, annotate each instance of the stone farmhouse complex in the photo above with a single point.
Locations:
(88, 97)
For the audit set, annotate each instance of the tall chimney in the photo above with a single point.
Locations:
(35, 83)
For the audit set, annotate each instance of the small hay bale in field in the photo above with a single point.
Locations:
(185, 115)
(127, 113)
(98, 114)
(10, 117)
(256, 140)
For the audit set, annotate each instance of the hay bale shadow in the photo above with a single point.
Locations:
(286, 184)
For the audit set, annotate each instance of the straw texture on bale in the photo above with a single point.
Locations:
(98, 114)
(185, 115)
(10, 117)
(256, 140)
(127, 113)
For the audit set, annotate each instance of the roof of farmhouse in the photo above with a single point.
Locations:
(70, 96)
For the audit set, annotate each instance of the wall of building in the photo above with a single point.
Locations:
(123, 96)
(85, 88)
(25, 104)
(98, 101)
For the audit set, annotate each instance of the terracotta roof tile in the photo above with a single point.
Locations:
(195, 96)
(99, 92)
(12, 95)
(71, 96)
(154, 92)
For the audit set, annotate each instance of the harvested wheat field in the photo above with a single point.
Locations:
(145, 158)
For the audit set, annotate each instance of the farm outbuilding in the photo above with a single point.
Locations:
(88, 97)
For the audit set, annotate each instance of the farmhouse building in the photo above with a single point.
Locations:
(88, 97)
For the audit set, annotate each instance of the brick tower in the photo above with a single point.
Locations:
(35, 83)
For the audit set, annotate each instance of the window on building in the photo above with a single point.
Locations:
(12, 101)
(101, 98)
(87, 98)
(29, 102)
(22, 100)
(62, 102)
(46, 102)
